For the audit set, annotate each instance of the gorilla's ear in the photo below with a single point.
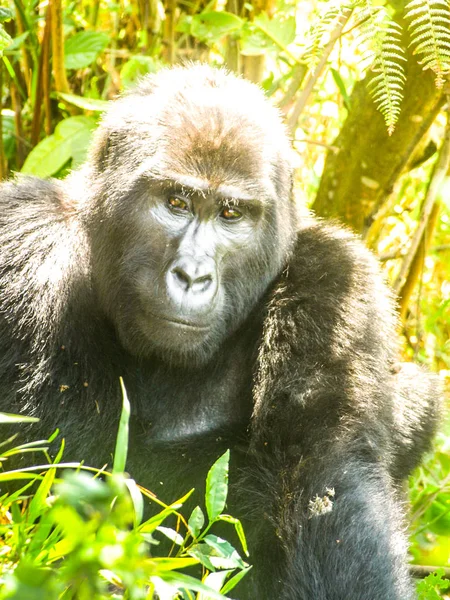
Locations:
(284, 178)
(105, 146)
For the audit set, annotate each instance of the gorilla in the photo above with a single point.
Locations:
(176, 258)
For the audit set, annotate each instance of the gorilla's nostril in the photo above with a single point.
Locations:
(182, 278)
(201, 284)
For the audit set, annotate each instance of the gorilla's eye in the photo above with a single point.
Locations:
(230, 214)
(177, 204)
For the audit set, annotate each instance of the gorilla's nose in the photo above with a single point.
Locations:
(192, 281)
(196, 278)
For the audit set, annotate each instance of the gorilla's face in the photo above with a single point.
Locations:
(189, 237)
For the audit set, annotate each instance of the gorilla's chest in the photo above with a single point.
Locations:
(177, 405)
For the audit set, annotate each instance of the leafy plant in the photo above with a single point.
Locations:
(387, 62)
(430, 33)
(427, 588)
(77, 536)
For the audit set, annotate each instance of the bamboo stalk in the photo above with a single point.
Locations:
(59, 71)
(40, 89)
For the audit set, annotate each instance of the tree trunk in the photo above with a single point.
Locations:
(359, 177)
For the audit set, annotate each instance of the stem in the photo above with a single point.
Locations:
(2, 150)
(59, 71)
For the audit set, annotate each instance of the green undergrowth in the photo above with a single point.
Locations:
(75, 532)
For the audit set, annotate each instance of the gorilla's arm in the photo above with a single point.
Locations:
(325, 365)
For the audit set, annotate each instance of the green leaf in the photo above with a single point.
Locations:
(120, 455)
(38, 504)
(225, 552)
(279, 29)
(173, 535)
(239, 530)
(202, 552)
(90, 104)
(169, 564)
(18, 41)
(136, 67)
(6, 14)
(83, 48)
(8, 418)
(186, 581)
(426, 588)
(9, 134)
(5, 39)
(430, 35)
(50, 155)
(215, 581)
(137, 499)
(234, 580)
(217, 487)
(196, 521)
(341, 86)
(213, 25)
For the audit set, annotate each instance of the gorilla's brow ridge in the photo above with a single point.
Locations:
(228, 191)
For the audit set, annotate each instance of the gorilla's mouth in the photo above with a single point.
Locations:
(178, 322)
(181, 323)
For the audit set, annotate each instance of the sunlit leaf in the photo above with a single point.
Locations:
(82, 49)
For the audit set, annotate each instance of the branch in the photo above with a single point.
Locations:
(420, 571)
(314, 76)
(434, 186)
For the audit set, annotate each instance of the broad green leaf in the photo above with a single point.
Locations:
(217, 487)
(8, 418)
(202, 552)
(196, 521)
(213, 25)
(50, 155)
(90, 104)
(136, 67)
(265, 34)
(83, 48)
(279, 29)
(120, 455)
(227, 555)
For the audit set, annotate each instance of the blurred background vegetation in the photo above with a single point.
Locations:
(364, 88)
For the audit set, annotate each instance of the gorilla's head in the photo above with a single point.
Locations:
(191, 214)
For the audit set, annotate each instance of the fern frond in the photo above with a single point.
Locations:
(317, 36)
(386, 54)
(430, 34)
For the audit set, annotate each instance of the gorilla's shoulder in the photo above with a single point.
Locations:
(25, 192)
(327, 258)
(43, 252)
(332, 291)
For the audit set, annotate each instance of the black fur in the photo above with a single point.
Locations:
(295, 372)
